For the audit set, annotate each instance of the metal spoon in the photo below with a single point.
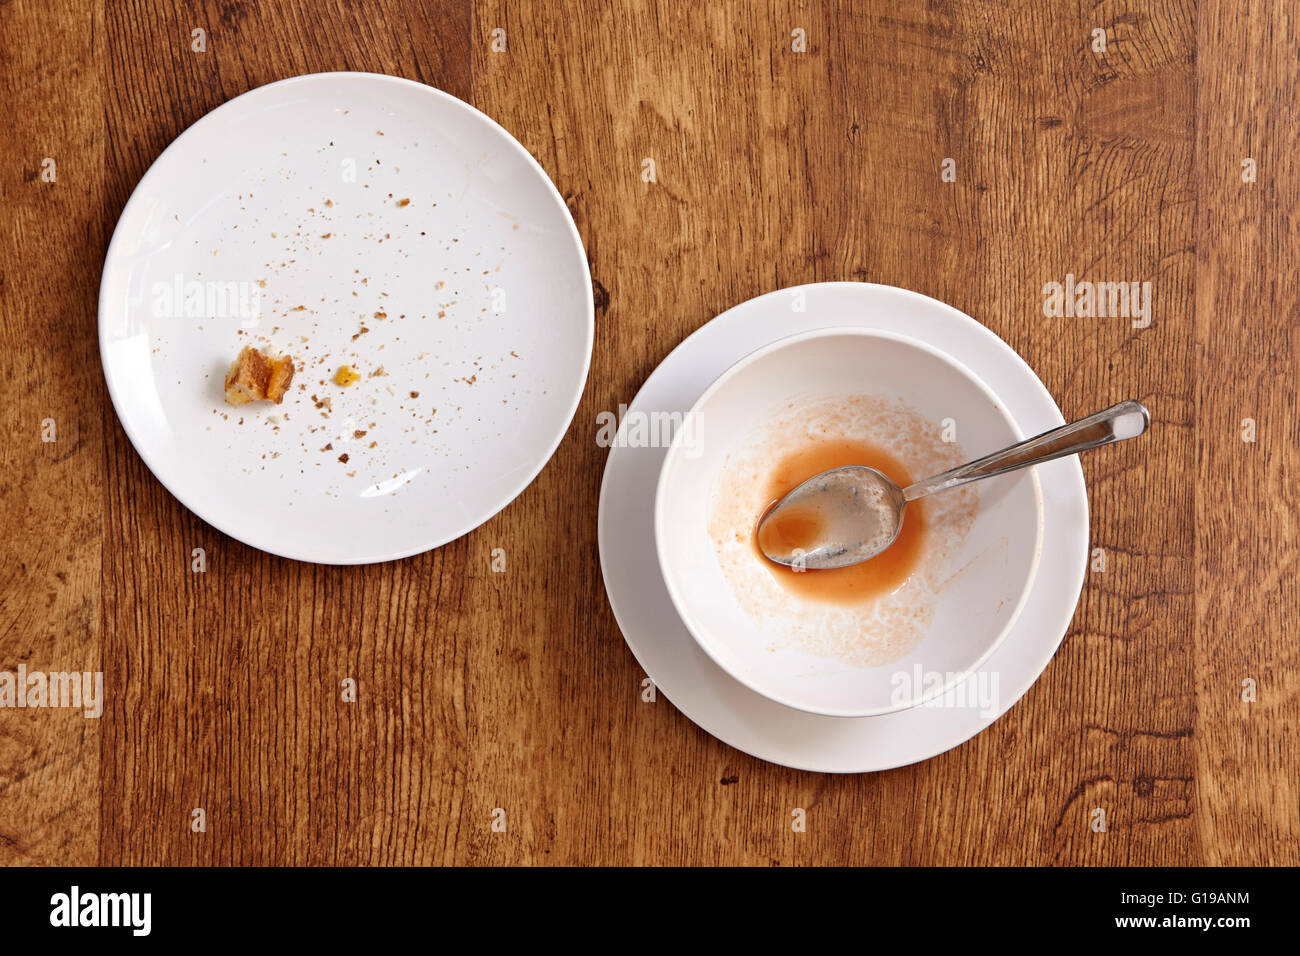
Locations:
(847, 515)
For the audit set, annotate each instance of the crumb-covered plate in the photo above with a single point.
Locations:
(417, 266)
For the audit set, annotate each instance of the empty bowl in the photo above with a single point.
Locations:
(919, 634)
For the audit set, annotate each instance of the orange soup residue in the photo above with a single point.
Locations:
(882, 574)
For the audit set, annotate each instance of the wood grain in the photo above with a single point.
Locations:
(52, 493)
(1248, 512)
(774, 167)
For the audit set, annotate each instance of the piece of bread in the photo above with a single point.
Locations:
(256, 377)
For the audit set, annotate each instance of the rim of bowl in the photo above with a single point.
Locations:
(675, 452)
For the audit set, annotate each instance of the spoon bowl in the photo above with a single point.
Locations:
(832, 518)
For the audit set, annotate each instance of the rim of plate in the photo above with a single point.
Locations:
(447, 99)
(1039, 656)
(674, 452)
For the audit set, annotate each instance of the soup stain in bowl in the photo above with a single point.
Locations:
(884, 573)
(864, 615)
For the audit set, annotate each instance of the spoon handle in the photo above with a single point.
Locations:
(1125, 420)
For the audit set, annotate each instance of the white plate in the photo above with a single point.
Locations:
(723, 706)
(279, 219)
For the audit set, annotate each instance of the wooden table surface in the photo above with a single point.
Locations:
(775, 166)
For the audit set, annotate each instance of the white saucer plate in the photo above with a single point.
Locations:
(347, 219)
(727, 709)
